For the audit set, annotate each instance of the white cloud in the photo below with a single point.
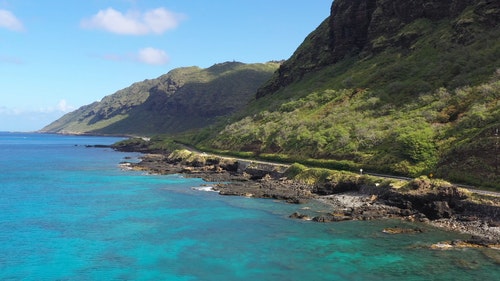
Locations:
(9, 21)
(153, 56)
(147, 55)
(133, 23)
(64, 106)
(9, 111)
(30, 119)
(61, 107)
(159, 20)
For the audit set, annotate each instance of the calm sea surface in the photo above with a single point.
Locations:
(68, 212)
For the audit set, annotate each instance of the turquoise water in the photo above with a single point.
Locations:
(68, 212)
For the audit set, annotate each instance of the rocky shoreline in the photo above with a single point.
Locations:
(446, 207)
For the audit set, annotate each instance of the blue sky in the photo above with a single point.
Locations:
(58, 55)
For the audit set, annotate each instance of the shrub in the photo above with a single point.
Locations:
(280, 158)
(136, 142)
(180, 155)
(294, 170)
(314, 176)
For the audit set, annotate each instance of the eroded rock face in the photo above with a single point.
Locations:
(370, 26)
(355, 25)
(437, 210)
(349, 25)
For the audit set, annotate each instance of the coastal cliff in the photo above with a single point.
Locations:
(364, 28)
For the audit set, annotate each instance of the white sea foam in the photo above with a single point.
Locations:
(204, 188)
(125, 166)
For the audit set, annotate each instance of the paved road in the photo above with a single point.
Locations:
(480, 191)
(468, 187)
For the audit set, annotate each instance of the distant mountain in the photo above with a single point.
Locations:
(181, 100)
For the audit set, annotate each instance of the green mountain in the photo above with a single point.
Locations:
(181, 100)
(401, 87)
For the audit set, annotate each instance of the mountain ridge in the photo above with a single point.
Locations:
(160, 105)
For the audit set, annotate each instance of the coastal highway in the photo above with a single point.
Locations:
(469, 188)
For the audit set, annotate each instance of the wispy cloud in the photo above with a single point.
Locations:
(147, 55)
(61, 107)
(9, 21)
(25, 120)
(155, 21)
(153, 56)
(9, 111)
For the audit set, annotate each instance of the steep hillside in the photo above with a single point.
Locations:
(181, 100)
(401, 87)
(372, 43)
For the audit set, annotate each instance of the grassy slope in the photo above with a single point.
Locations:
(430, 108)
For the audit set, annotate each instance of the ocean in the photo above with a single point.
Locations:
(70, 212)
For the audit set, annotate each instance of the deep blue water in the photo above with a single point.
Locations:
(68, 212)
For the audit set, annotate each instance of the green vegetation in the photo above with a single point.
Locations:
(187, 157)
(337, 181)
(420, 97)
(156, 143)
(132, 142)
(428, 106)
(353, 129)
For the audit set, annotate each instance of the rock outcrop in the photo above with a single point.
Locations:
(445, 206)
(366, 27)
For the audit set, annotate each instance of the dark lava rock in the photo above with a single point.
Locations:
(437, 210)
(331, 218)
(297, 215)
